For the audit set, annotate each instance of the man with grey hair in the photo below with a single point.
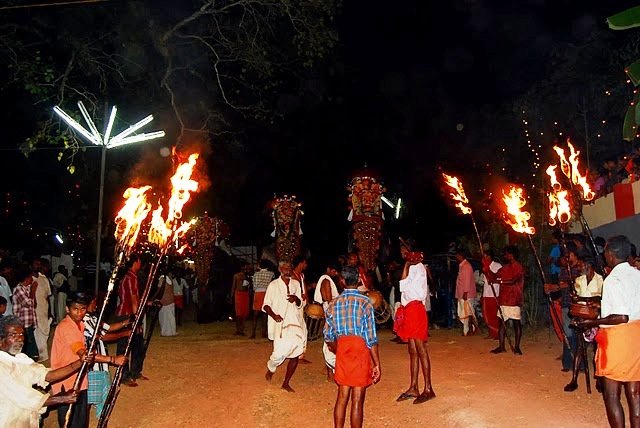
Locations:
(21, 404)
(282, 303)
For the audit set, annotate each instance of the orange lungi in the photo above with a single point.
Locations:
(353, 362)
(242, 304)
(617, 356)
(258, 300)
(411, 322)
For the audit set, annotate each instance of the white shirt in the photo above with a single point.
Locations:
(414, 286)
(21, 404)
(486, 290)
(276, 299)
(317, 294)
(592, 289)
(621, 293)
(5, 291)
(178, 286)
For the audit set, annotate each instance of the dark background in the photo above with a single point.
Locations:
(402, 79)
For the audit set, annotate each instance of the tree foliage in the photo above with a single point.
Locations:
(199, 66)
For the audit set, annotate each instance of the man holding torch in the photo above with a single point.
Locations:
(511, 280)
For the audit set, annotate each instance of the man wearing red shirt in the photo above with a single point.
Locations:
(128, 302)
(511, 280)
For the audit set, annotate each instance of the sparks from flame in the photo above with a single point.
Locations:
(130, 217)
(514, 201)
(458, 195)
(162, 230)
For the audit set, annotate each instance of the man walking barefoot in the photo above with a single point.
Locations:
(350, 332)
(411, 325)
(282, 303)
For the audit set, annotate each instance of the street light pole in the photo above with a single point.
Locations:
(105, 142)
(103, 161)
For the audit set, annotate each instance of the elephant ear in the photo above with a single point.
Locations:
(629, 18)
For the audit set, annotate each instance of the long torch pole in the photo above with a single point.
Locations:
(94, 338)
(114, 390)
(475, 227)
(552, 308)
(493, 290)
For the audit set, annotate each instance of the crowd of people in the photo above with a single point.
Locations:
(277, 300)
(35, 305)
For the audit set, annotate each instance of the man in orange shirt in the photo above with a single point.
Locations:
(68, 345)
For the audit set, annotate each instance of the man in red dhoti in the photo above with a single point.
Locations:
(412, 325)
(617, 356)
(350, 332)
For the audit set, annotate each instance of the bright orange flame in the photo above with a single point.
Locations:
(459, 195)
(559, 208)
(131, 215)
(551, 172)
(162, 231)
(565, 166)
(515, 217)
(576, 177)
(571, 169)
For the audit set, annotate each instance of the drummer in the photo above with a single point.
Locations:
(588, 288)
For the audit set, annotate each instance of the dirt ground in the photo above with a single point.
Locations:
(207, 377)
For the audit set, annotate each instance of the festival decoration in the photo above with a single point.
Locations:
(202, 237)
(365, 196)
(162, 233)
(286, 213)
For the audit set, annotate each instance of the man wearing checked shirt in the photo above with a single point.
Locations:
(350, 332)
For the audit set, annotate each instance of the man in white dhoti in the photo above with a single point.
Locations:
(282, 303)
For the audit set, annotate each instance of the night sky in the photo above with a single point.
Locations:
(402, 78)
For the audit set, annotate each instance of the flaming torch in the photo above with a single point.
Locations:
(128, 223)
(163, 232)
(461, 201)
(514, 201)
(578, 182)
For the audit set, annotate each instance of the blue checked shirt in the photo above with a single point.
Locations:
(351, 314)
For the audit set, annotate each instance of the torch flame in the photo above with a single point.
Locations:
(559, 207)
(571, 169)
(459, 196)
(163, 230)
(515, 217)
(131, 215)
(551, 172)
(565, 166)
(576, 177)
